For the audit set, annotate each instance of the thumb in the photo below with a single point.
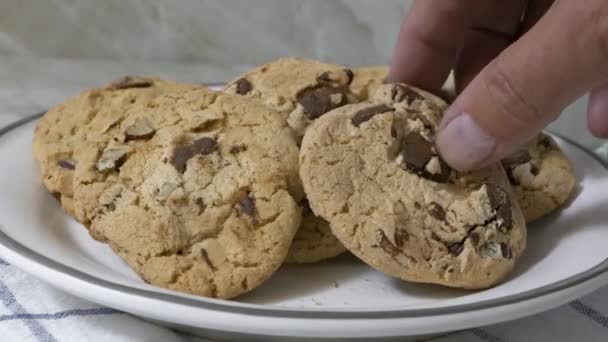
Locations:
(526, 87)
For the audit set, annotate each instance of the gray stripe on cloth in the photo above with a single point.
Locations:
(485, 336)
(589, 312)
(8, 299)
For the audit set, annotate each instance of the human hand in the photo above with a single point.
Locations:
(509, 88)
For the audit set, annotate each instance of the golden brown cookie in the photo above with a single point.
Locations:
(193, 192)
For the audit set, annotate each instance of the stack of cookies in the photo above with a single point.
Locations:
(296, 161)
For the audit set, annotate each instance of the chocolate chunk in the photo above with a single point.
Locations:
(367, 113)
(182, 154)
(456, 248)
(402, 93)
(235, 149)
(401, 237)
(416, 152)
(318, 101)
(501, 204)
(131, 82)
(243, 86)
(386, 244)
(436, 211)
(506, 251)
(140, 129)
(474, 237)
(111, 159)
(205, 145)
(247, 207)
(417, 205)
(350, 75)
(67, 164)
(207, 260)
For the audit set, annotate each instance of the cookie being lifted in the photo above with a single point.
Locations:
(193, 192)
(372, 170)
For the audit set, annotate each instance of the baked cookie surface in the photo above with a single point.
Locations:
(541, 176)
(193, 192)
(302, 90)
(90, 116)
(372, 170)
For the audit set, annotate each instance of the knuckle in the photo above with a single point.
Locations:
(514, 106)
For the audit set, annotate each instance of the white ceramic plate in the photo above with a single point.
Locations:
(566, 258)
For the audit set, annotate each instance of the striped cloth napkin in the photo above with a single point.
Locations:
(30, 310)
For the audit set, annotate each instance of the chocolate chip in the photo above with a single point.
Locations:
(506, 251)
(318, 101)
(474, 237)
(111, 159)
(67, 164)
(417, 205)
(140, 129)
(350, 75)
(401, 93)
(436, 211)
(456, 248)
(386, 244)
(207, 260)
(247, 207)
(235, 149)
(131, 82)
(366, 114)
(416, 152)
(243, 86)
(401, 237)
(501, 204)
(182, 154)
(205, 145)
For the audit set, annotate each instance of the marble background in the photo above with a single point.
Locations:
(224, 32)
(51, 49)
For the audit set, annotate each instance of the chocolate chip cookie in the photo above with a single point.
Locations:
(91, 116)
(193, 192)
(302, 90)
(372, 170)
(541, 176)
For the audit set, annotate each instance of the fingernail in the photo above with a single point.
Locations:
(463, 144)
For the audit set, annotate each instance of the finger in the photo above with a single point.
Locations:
(535, 10)
(597, 111)
(429, 40)
(494, 32)
(527, 85)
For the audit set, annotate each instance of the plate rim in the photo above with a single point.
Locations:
(301, 313)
